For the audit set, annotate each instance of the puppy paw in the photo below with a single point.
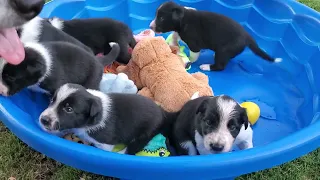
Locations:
(205, 67)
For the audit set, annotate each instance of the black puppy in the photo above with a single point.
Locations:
(208, 125)
(52, 64)
(206, 30)
(104, 119)
(41, 30)
(96, 33)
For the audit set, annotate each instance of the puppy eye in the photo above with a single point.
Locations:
(208, 122)
(67, 108)
(232, 128)
(161, 19)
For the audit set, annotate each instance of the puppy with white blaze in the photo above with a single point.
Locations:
(104, 119)
(49, 65)
(210, 125)
(206, 30)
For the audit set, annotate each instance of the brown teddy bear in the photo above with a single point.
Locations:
(160, 74)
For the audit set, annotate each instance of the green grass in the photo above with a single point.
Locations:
(21, 162)
(315, 4)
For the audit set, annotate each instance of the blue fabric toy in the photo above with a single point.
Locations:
(117, 83)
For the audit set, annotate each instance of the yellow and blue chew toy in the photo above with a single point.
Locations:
(155, 148)
(184, 51)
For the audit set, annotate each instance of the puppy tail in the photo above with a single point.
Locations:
(112, 56)
(252, 44)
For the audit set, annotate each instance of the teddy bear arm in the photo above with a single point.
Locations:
(122, 69)
(201, 77)
(173, 100)
(146, 92)
(132, 71)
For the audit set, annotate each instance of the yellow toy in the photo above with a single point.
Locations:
(155, 148)
(253, 111)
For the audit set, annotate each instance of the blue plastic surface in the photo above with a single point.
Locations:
(287, 93)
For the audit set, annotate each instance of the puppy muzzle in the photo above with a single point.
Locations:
(48, 122)
(154, 27)
(217, 143)
(4, 90)
(28, 8)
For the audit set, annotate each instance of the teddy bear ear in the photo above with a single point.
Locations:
(162, 47)
(145, 52)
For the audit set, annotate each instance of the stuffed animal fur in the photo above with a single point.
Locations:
(160, 74)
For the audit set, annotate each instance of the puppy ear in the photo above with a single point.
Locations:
(177, 13)
(202, 108)
(244, 118)
(95, 112)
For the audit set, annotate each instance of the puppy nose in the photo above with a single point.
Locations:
(3, 93)
(29, 8)
(152, 25)
(45, 121)
(216, 147)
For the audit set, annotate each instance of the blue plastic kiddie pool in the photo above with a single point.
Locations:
(287, 93)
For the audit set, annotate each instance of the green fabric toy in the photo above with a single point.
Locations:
(184, 52)
(155, 148)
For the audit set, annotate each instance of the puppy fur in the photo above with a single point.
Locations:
(96, 33)
(14, 13)
(41, 30)
(207, 30)
(52, 64)
(208, 125)
(104, 119)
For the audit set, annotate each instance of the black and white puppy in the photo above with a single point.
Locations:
(14, 13)
(41, 30)
(104, 119)
(52, 64)
(206, 30)
(96, 33)
(210, 125)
